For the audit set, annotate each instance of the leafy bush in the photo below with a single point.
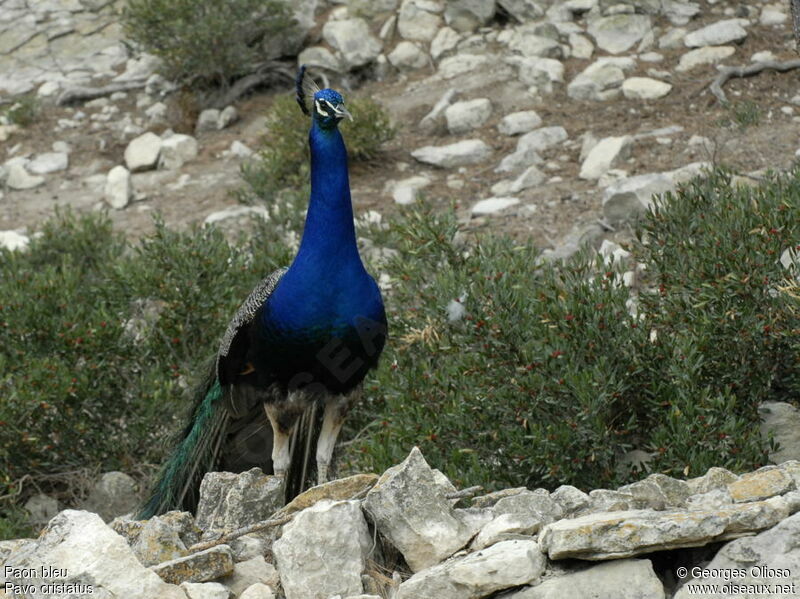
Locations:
(23, 111)
(283, 158)
(204, 41)
(546, 379)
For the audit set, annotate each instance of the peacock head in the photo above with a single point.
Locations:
(327, 104)
(329, 108)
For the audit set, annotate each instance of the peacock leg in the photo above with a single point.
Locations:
(282, 421)
(335, 412)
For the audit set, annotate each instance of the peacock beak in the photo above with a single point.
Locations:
(341, 112)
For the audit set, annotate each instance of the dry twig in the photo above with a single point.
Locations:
(726, 73)
(240, 532)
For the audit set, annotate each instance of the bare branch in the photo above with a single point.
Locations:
(240, 532)
(726, 73)
(74, 94)
(468, 492)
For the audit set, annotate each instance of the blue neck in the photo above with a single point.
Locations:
(329, 237)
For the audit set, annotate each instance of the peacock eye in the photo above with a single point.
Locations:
(327, 110)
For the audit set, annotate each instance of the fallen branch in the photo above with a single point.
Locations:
(240, 532)
(270, 72)
(468, 492)
(75, 94)
(726, 73)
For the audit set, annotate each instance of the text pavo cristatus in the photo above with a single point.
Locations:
(299, 345)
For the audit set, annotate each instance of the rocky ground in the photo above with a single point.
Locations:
(409, 534)
(552, 110)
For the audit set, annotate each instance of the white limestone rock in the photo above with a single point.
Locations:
(517, 123)
(142, 152)
(503, 525)
(769, 558)
(247, 573)
(704, 56)
(503, 565)
(405, 192)
(773, 14)
(644, 88)
(542, 139)
(571, 500)
(14, 241)
(320, 57)
(19, 178)
(462, 153)
(114, 494)
(354, 41)
(529, 42)
(118, 190)
(412, 512)
(446, 39)
(465, 116)
(541, 73)
(49, 162)
(407, 55)
(717, 34)
(237, 211)
(493, 206)
(612, 535)
(617, 33)
(157, 113)
(205, 590)
(468, 15)
(601, 80)
(531, 177)
(672, 38)
(176, 151)
(461, 63)
(782, 421)
(607, 153)
(581, 46)
(522, 10)
(618, 579)
(229, 501)
(419, 20)
(80, 543)
(208, 120)
(627, 199)
(257, 591)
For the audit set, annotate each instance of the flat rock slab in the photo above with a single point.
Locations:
(202, 566)
(760, 485)
(618, 579)
(612, 535)
(462, 153)
(503, 565)
(717, 34)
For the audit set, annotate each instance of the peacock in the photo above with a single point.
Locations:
(293, 358)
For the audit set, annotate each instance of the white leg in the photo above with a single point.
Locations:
(335, 411)
(282, 421)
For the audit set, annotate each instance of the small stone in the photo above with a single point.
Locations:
(49, 162)
(257, 591)
(581, 46)
(240, 150)
(418, 20)
(717, 34)
(176, 151)
(606, 154)
(13, 241)
(407, 55)
(531, 177)
(571, 500)
(405, 192)
(760, 485)
(20, 179)
(227, 117)
(142, 152)
(461, 63)
(118, 191)
(320, 57)
(644, 88)
(354, 41)
(252, 571)
(208, 120)
(464, 116)
(618, 33)
(462, 153)
(493, 206)
(773, 14)
(202, 566)
(519, 122)
(115, 494)
(715, 478)
(42, 508)
(157, 113)
(205, 590)
(446, 39)
(704, 56)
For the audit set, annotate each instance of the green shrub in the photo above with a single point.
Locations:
(548, 380)
(205, 41)
(23, 112)
(283, 158)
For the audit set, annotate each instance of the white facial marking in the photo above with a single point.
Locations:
(319, 108)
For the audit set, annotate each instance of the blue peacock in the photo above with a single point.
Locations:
(297, 350)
